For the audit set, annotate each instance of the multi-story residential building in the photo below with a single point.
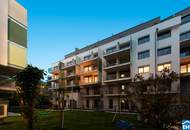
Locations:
(108, 66)
(13, 45)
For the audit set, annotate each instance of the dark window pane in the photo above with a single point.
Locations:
(144, 54)
(185, 19)
(110, 50)
(144, 39)
(110, 104)
(185, 36)
(17, 34)
(163, 34)
(164, 51)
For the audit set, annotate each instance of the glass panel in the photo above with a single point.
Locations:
(168, 66)
(160, 68)
(183, 69)
(86, 79)
(144, 54)
(164, 34)
(164, 51)
(188, 68)
(17, 33)
(123, 87)
(143, 39)
(141, 70)
(95, 79)
(146, 69)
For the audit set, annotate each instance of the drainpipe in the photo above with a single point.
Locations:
(155, 58)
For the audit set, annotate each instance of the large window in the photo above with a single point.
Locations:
(110, 50)
(88, 57)
(163, 66)
(144, 39)
(88, 79)
(144, 54)
(185, 36)
(164, 51)
(163, 34)
(144, 69)
(185, 19)
(87, 68)
(185, 68)
(17, 33)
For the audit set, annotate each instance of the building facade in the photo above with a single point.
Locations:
(13, 45)
(102, 71)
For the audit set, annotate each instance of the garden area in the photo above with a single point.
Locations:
(74, 120)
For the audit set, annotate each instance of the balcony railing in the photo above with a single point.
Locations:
(117, 63)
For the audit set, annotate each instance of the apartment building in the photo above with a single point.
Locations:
(105, 68)
(13, 46)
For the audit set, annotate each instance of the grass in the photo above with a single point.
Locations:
(76, 120)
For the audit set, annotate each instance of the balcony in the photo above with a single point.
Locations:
(118, 77)
(117, 65)
(117, 49)
(90, 58)
(91, 94)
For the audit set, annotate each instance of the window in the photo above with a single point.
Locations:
(122, 87)
(143, 39)
(143, 55)
(163, 66)
(87, 57)
(163, 34)
(185, 19)
(87, 68)
(1, 110)
(95, 78)
(110, 50)
(144, 69)
(185, 36)
(124, 45)
(110, 104)
(71, 63)
(88, 79)
(185, 68)
(164, 51)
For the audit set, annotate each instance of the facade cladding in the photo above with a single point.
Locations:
(13, 47)
(96, 76)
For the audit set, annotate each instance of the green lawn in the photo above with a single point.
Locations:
(74, 121)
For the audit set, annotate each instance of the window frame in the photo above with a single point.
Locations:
(159, 50)
(143, 56)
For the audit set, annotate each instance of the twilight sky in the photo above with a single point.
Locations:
(57, 27)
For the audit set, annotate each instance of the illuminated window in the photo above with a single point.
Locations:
(163, 66)
(123, 87)
(87, 68)
(95, 78)
(122, 75)
(144, 69)
(183, 69)
(88, 79)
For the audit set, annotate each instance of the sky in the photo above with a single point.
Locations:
(57, 27)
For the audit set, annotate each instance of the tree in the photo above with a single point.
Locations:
(153, 98)
(27, 86)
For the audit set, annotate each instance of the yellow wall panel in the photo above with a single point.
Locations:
(17, 55)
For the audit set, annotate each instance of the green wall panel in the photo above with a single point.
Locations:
(17, 33)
